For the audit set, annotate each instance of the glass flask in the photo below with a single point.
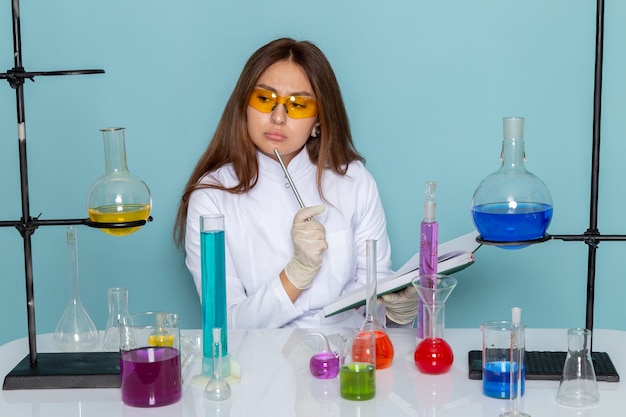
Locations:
(76, 331)
(384, 347)
(325, 363)
(512, 204)
(433, 355)
(578, 387)
(117, 196)
(118, 308)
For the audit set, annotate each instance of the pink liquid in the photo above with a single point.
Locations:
(150, 376)
(324, 365)
(433, 356)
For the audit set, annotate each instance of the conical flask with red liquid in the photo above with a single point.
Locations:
(433, 355)
(384, 347)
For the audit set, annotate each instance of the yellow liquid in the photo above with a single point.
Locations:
(161, 339)
(120, 214)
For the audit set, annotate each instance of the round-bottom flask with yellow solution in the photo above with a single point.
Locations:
(117, 196)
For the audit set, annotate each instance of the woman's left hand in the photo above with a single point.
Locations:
(401, 306)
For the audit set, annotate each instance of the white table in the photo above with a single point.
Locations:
(276, 382)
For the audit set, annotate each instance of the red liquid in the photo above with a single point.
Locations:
(150, 376)
(433, 356)
(384, 350)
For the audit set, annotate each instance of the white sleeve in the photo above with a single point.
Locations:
(268, 307)
(372, 225)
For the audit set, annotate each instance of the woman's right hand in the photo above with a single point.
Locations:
(309, 242)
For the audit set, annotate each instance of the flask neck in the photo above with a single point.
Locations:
(578, 341)
(513, 155)
(72, 254)
(114, 150)
(436, 317)
(371, 281)
(118, 302)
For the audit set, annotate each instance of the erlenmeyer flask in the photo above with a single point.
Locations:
(433, 355)
(512, 204)
(384, 347)
(578, 387)
(117, 196)
(118, 308)
(76, 331)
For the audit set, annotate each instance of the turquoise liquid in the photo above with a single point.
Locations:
(499, 223)
(213, 264)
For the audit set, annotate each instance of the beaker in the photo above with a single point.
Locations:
(578, 387)
(512, 204)
(357, 361)
(118, 308)
(150, 373)
(76, 331)
(117, 196)
(433, 355)
(384, 347)
(496, 359)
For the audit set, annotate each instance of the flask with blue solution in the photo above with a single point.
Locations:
(512, 204)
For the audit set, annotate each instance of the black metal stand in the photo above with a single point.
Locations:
(62, 370)
(553, 364)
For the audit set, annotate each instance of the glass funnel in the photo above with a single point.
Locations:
(512, 204)
(76, 331)
(384, 347)
(117, 196)
(433, 355)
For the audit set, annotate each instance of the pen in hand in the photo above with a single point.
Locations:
(291, 184)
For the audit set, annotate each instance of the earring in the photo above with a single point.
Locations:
(317, 132)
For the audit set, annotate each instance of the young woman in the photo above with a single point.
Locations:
(285, 263)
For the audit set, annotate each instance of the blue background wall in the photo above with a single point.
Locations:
(426, 85)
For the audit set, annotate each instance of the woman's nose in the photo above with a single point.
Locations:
(279, 114)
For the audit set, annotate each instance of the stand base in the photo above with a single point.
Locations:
(548, 366)
(66, 370)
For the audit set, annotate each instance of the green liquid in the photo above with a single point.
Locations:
(357, 381)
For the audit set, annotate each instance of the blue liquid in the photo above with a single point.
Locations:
(213, 265)
(499, 223)
(497, 379)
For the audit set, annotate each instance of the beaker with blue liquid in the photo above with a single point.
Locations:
(496, 359)
(512, 204)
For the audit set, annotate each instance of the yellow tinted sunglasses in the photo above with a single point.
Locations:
(297, 107)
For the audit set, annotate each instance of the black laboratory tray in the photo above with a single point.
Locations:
(548, 366)
(66, 370)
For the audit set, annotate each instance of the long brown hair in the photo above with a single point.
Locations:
(333, 149)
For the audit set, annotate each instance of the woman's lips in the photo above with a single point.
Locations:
(275, 136)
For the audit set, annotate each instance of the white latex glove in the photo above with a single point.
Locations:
(402, 305)
(309, 242)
